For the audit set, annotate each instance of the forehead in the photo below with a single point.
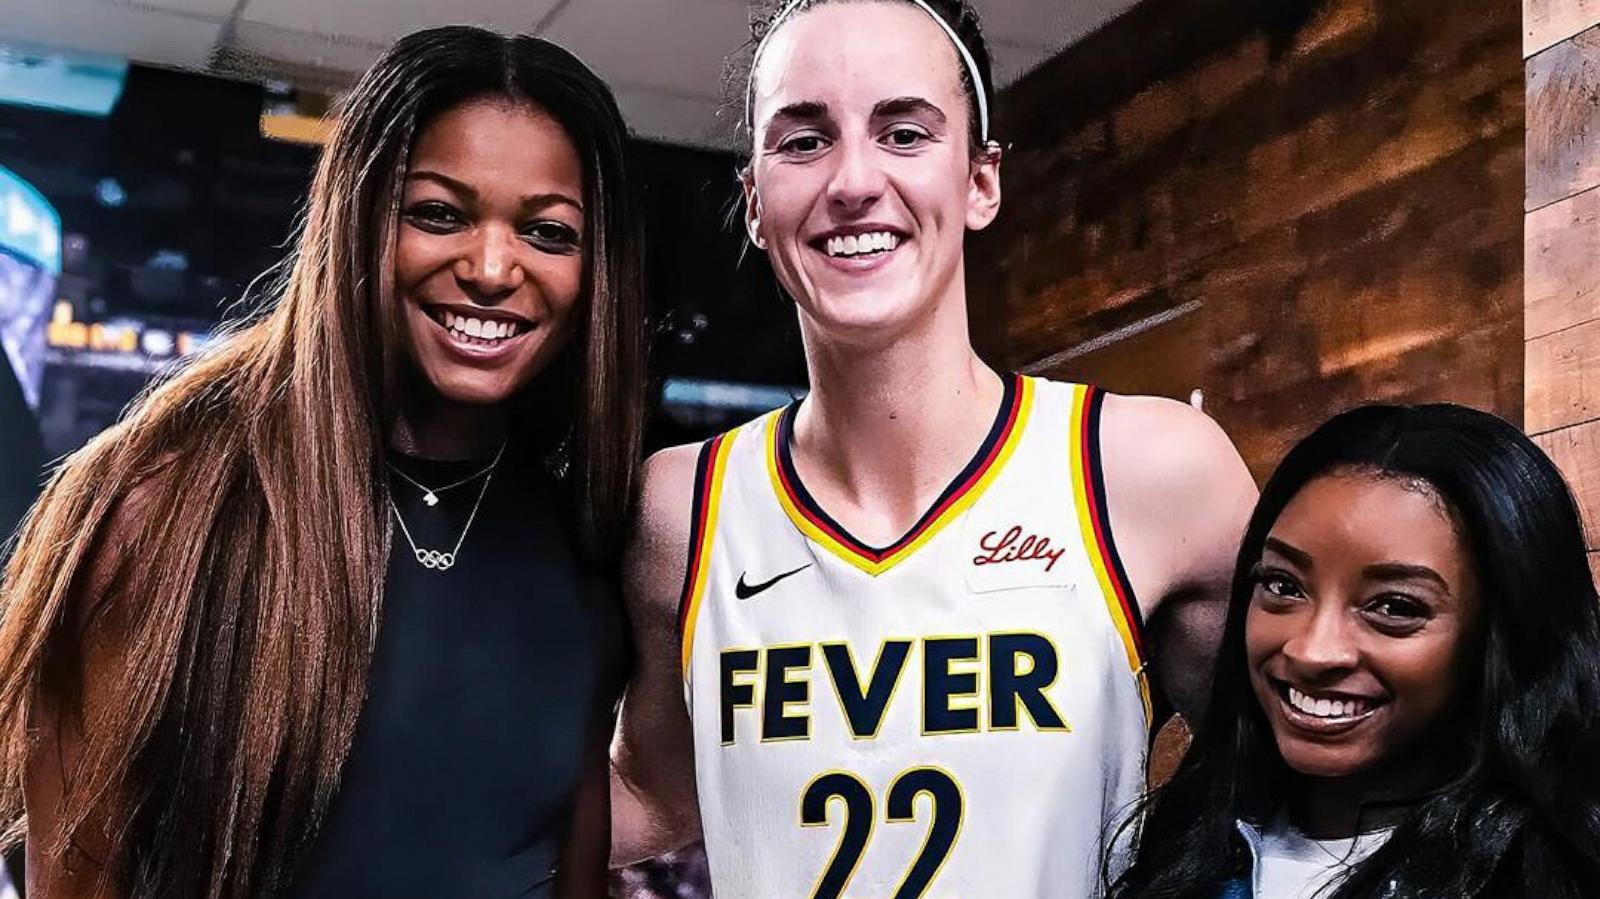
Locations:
(1357, 519)
(493, 138)
(846, 53)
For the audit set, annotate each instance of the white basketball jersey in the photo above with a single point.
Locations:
(961, 714)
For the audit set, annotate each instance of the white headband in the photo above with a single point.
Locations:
(966, 57)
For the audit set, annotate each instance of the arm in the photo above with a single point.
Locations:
(654, 806)
(1178, 507)
(581, 870)
(581, 873)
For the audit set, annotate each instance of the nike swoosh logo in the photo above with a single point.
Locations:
(745, 591)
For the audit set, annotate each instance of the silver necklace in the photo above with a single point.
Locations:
(439, 560)
(430, 495)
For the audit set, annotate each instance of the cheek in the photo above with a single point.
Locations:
(561, 282)
(1422, 675)
(417, 256)
(1264, 635)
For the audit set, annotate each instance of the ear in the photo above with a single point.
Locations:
(983, 188)
(752, 207)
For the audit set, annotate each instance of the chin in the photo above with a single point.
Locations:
(473, 388)
(866, 316)
(1312, 760)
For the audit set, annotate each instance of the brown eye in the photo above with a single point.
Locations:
(1277, 585)
(905, 138)
(552, 237)
(1396, 612)
(434, 216)
(803, 145)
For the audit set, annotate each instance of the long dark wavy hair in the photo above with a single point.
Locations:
(251, 583)
(1515, 807)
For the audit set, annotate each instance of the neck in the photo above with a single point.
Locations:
(430, 427)
(896, 416)
(1341, 807)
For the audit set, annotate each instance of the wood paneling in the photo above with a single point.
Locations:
(1563, 85)
(1337, 184)
(1545, 22)
(1563, 379)
(1576, 452)
(1562, 264)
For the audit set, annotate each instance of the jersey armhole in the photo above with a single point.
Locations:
(709, 469)
(1100, 542)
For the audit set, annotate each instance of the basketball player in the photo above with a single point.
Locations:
(907, 612)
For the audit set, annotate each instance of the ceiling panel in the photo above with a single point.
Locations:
(310, 60)
(664, 58)
(219, 10)
(131, 32)
(385, 20)
(674, 45)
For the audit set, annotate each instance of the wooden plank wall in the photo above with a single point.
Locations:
(1561, 43)
(1295, 207)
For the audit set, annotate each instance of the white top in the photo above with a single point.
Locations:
(1294, 866)
(960, 715)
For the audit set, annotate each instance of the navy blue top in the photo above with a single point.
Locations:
(484, 689)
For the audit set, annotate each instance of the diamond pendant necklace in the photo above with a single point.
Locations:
(430, 495)
(440, 560)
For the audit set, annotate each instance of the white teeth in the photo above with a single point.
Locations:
(477, 327)
(1327, 708)
(859, 244)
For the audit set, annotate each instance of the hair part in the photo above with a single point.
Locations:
(1515, 809)
(249, 574)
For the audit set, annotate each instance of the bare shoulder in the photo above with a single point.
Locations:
(1178, 493)
(1168, 443)
(659, 548)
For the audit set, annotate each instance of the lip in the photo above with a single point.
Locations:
(480, 312)
(477, 354)
(1317, 726)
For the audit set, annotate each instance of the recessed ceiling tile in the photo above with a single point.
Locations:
(137, 33)
(382, 21)
(673, 45)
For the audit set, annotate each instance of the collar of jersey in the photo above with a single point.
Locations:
(962, 492)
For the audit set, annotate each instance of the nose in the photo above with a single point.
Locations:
(858, 179)
(489, 270)
(1324, 644)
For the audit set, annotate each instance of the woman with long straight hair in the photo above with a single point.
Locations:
(1407, 699)
(316, 617)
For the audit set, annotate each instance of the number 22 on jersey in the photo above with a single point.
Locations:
(860, 817)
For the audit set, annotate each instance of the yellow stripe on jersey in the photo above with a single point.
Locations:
(1083, 491)
(708, 497)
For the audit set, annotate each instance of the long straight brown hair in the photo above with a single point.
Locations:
(250, 585)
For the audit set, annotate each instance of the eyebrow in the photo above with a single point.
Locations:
(900, 106)
(1394, 571)
(1298, 556)
(1382, 571)
(461, 188)
(801, 111)
(813, 110)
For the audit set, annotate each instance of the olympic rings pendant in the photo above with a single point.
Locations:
(432, 558)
